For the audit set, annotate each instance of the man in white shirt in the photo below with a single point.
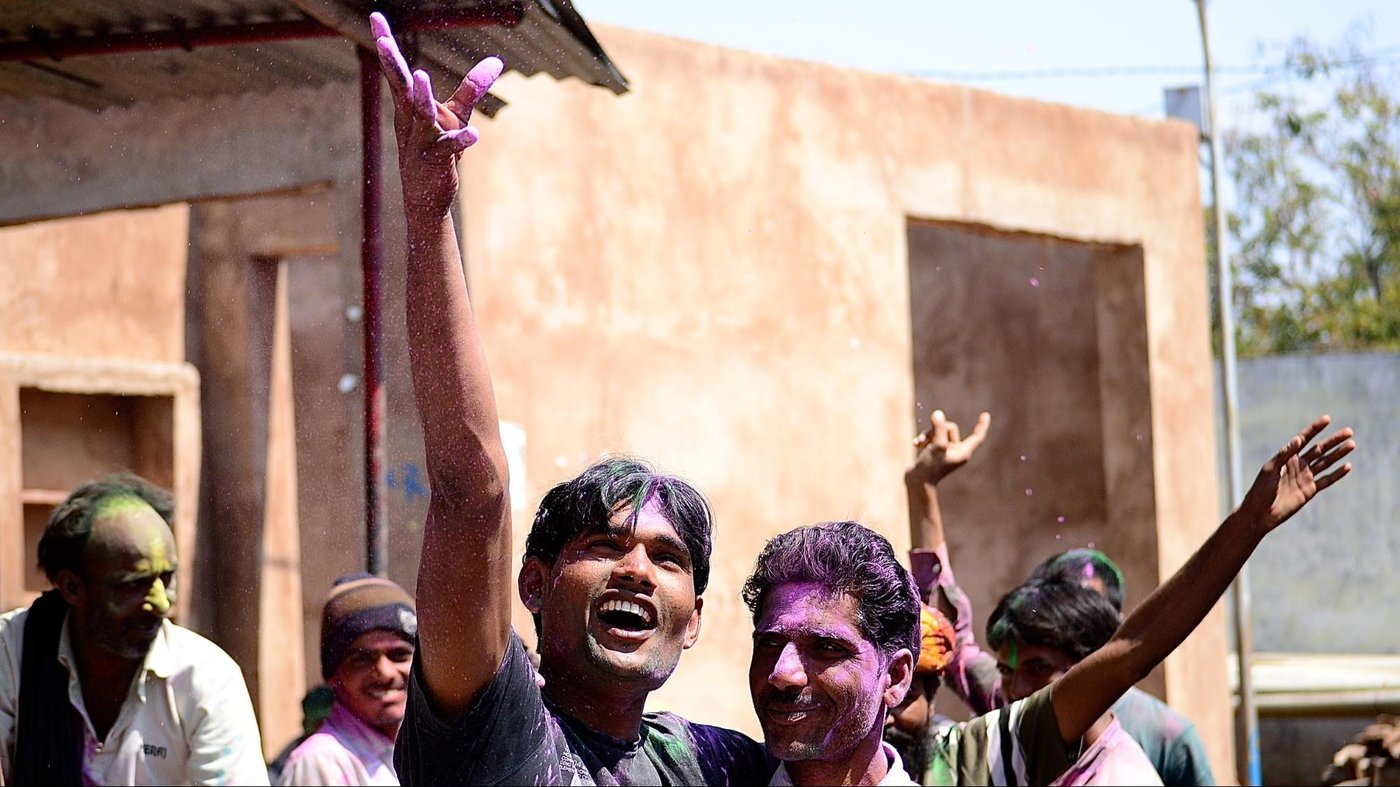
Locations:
(368, 625)
(97, 686)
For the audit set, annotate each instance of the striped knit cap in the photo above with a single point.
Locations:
(359, 603)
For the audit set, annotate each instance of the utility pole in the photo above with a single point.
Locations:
(1247, 741)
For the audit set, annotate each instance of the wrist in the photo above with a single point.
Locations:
(1247, 523)
(427, 211)
(919, 478)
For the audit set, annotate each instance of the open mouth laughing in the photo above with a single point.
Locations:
(626, 616)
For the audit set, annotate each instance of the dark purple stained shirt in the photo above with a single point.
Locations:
(513, 736)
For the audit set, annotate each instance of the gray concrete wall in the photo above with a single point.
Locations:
(1326, 582)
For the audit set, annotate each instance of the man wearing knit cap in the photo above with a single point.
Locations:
(368, 628)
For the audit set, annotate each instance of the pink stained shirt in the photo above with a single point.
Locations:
(344, 751)
(1115, 758)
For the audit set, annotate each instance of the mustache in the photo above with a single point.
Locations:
(786, 696)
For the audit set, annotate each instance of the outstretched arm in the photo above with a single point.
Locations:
(971, 673)
(1285, 483)
(464, 581)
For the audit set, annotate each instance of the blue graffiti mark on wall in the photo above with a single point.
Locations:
(409, 481)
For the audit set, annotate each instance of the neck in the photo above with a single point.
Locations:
(865, 764)
(615, 713)
(97, 667)
(388, 730)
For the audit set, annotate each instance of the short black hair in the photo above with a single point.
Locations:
(588, 502)
(1081, 565)
(70, 524)
(844, 557)
(1065, 616)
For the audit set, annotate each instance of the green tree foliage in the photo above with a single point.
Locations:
(1315, 236)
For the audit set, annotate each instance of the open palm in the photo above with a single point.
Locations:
(1295, 474)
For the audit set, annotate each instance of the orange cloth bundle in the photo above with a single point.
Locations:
(936, 649)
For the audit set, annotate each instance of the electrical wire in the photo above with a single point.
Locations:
(1374, 57)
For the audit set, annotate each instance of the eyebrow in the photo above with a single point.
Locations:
(397, 647)
(128, 576)
(631, 532)
(825, 634)
(674, 543)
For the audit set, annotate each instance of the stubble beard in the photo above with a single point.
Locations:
(647, 671)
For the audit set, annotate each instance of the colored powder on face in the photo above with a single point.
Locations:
(157, 600)
(120, 504)
(156, 564)
(156, 560)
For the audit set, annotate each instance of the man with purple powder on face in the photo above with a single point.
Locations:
(614, 564)
(836, 636)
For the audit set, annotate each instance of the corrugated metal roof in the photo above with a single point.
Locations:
(549, 37)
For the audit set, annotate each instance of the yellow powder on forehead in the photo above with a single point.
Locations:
(120, 504)
(156, 561)
(157, 558)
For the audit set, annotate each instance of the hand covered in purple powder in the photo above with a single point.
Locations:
(431, 134)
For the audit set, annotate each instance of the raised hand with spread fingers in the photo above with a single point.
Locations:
(464, 577)
(431, 134)
(1295, 474)
(942, 449)
(1286, 482)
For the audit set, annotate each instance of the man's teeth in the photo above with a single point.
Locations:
(627, 606)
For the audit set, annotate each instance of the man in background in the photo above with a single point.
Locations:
(1169, 739)
(368, 625)
(912, 725)
(97, 685)
(836, 637)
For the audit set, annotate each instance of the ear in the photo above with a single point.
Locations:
(531, 582)
(898, 676)
(71, 587)
(692, 627)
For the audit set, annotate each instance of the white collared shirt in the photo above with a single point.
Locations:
(187, 718)
(896, 776)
